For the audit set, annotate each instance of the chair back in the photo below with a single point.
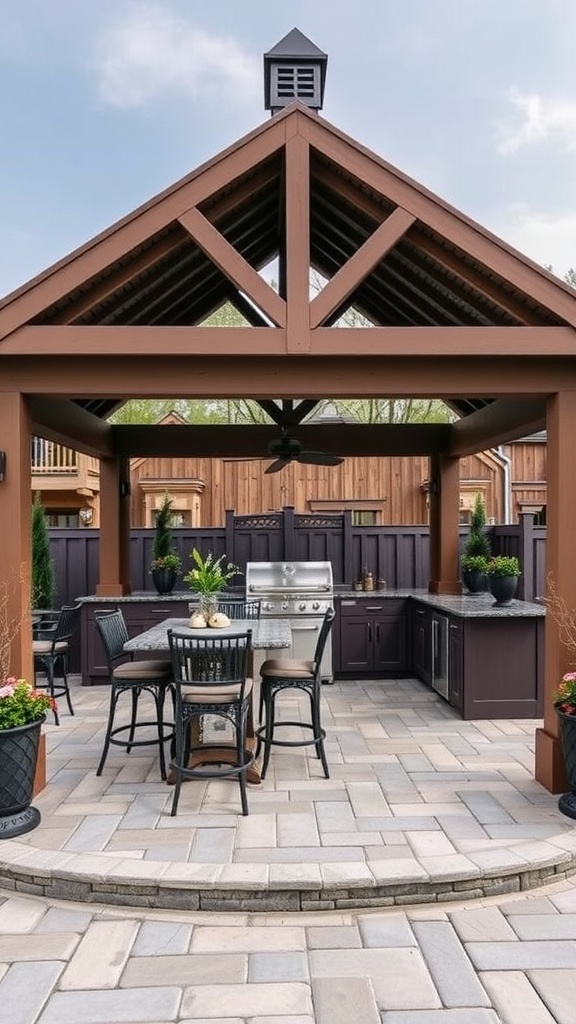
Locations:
(67, 622)
(113, 630)
(237, 609)
(210, 662)
(322, 638)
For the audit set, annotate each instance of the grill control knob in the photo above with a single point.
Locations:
(315, 605)
(302, 606)
(285, 606)
(268, 606)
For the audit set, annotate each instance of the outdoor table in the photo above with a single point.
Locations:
(267, 635)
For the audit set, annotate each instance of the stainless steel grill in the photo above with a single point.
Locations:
(298, 591)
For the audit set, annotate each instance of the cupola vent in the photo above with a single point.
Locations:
(295, 69)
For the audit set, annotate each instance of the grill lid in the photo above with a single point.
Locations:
(289, 577)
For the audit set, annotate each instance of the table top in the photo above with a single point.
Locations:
(267, 634)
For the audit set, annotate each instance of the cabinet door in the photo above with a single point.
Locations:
(421, 636)
(355, 643)
(456, 664)
(389, 643)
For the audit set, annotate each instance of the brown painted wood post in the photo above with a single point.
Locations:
(114, 550)
(560, 563)
(444, 502)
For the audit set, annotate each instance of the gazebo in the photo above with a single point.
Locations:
(457, 315)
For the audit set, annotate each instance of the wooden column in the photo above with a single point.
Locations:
(560, 563)
(114, 565)
(444, 502)
(15, 524)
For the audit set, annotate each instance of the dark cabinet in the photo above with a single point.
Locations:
(421, 642)
(456, 663)
(372, 637)
(138, 615)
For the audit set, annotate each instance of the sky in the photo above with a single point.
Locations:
(104, 103)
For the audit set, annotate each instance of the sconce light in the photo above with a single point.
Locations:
(86, 516)
(434, 487)
(2, 465)
(125, 489)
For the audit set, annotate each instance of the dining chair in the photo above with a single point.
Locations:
(238, 609)
(51, 648)
(152, 676)
(280, 674)
(211, 678)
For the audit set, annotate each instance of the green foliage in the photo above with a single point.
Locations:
(43, 577)
(504, 565)
(209, 575)
(164, 554)
(476, 544)
(21, 704)
(474, 563)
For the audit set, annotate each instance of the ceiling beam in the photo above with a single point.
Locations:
(495, 424)
(368, 256)
(234, 266)
(239, 441)
(66, 423)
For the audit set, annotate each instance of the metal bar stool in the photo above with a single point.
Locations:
(50, 649)
(134, 677)
(279, 674)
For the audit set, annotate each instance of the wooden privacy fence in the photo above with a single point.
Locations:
(398, 554)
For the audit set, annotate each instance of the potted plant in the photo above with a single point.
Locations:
(208, 577)
(564, 698)
(503, 572)
(476, 551)
(166, 561)
(22, 712)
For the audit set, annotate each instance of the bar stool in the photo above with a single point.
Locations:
(51, 647)
(135, 677)
(279, 674)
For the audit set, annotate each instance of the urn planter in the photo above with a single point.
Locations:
(567, 724)
(18, 759)
(164, 580)
(475, 581)
(503, 589)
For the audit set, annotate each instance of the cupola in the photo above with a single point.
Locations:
(295, 69)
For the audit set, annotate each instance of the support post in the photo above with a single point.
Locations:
(114, 565)
(444, 503)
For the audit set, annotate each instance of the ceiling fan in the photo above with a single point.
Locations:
(287, 449)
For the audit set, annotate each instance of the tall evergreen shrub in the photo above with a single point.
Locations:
(43, 576)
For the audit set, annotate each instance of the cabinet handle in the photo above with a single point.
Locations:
(370, 632)
(374, 608)
(377, 632)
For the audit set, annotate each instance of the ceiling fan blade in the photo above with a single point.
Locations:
(277, 465)
(319, 458)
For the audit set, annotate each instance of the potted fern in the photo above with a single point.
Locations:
(166, 561)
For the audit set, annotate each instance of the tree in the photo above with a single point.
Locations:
(477, 544)
(43, 577)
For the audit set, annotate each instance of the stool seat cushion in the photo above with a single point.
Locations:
(214, 694)
(293, 667)
(150, 669)
(48, 647)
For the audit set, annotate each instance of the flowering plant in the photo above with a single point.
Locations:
(170, 561)
(209, 575)
(565, 695)
(21, 704)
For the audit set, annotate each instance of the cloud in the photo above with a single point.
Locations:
(149, 54)
(548, 239)
(541, 120)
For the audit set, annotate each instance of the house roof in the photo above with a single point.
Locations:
(388, 247)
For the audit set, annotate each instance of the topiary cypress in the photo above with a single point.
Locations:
(43, 577)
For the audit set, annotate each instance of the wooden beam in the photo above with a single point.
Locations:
(297, 255)
(66, 423)
(347, 279)
(252, 442)
(143, 341)
(496, 342)
(495, 424)
(234, 266)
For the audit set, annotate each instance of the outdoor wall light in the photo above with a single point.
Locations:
(2, 465)
(125, 489)
(86, 516)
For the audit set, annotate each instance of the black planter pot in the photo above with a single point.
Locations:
(502, 588)
(164, 580)
(567, 723)
(475, 581)
(18, 757)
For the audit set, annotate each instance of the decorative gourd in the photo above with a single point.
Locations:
(218, 620)
(197, 621)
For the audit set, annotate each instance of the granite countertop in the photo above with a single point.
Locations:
(267, 634)
(139, 595)
(464, 605)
